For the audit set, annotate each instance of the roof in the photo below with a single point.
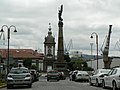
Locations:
(21, 53)
(20, 68)
(49, 38)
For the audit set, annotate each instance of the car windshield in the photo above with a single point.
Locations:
(104, 71)
(19, 70)
(52, 72)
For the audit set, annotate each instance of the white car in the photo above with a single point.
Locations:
(112, 80)
(82, 76)
(19, 76)
(97, 78)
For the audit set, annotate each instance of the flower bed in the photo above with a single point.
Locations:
(2, 82)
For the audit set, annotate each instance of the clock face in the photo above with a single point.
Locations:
(49, 51)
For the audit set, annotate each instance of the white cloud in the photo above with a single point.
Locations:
(80, 17)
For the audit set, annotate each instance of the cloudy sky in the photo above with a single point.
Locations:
(81, 18)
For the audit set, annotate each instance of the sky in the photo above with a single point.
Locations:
(80, 18)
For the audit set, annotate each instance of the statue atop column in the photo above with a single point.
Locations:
(60, 13)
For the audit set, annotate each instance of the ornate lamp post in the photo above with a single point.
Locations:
(96, 44)
(8, 37)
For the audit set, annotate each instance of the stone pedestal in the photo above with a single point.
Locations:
(60, 66)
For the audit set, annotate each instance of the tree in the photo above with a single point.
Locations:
(67, 58)
(33, 66)
(70, 66)
(1, 60)
(78, 64)
(27, 62)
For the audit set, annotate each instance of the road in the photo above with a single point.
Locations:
(42, 84)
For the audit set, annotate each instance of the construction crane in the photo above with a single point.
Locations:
(105, 52)
(117, 45)
(68, 47)
(101, 49)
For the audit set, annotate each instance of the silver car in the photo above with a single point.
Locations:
(82, 76)
(19, 76)
(97, 78)
(112, 79)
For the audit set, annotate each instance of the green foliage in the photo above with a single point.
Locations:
(27, 62)
(2, 76)
(33, 66)
(1, 60)
(70, 66)
(78, 64)
(2, 82)
(67, 58)
(88, 69)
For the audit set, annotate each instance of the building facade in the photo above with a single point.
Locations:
(17, 56)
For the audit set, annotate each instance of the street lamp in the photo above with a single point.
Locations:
(96, 44)
(91, 44)
(8, 37)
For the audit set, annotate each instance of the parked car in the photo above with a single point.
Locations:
(19, 76)
(62, 75)
(72, 75)
(97, 78)
(82, 76)
(53, 75)
(112, 79)
(35, 74)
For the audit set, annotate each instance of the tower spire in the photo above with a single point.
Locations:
(49, 27)
(49, 32)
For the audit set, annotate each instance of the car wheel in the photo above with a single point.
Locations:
(90, 83)
(114, 87)
(103, 84)
(29, 85)
(37, 79)
(47, 79)
(9, 86)
(97, 84)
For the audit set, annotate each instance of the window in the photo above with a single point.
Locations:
(110, 73)
(114, 71)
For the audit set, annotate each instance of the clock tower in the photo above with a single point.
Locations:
(49, 50)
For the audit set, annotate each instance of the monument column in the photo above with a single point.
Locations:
(60, 64)
(60, 52)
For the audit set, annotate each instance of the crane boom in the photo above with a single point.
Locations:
(106, 60)
(68, 47)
